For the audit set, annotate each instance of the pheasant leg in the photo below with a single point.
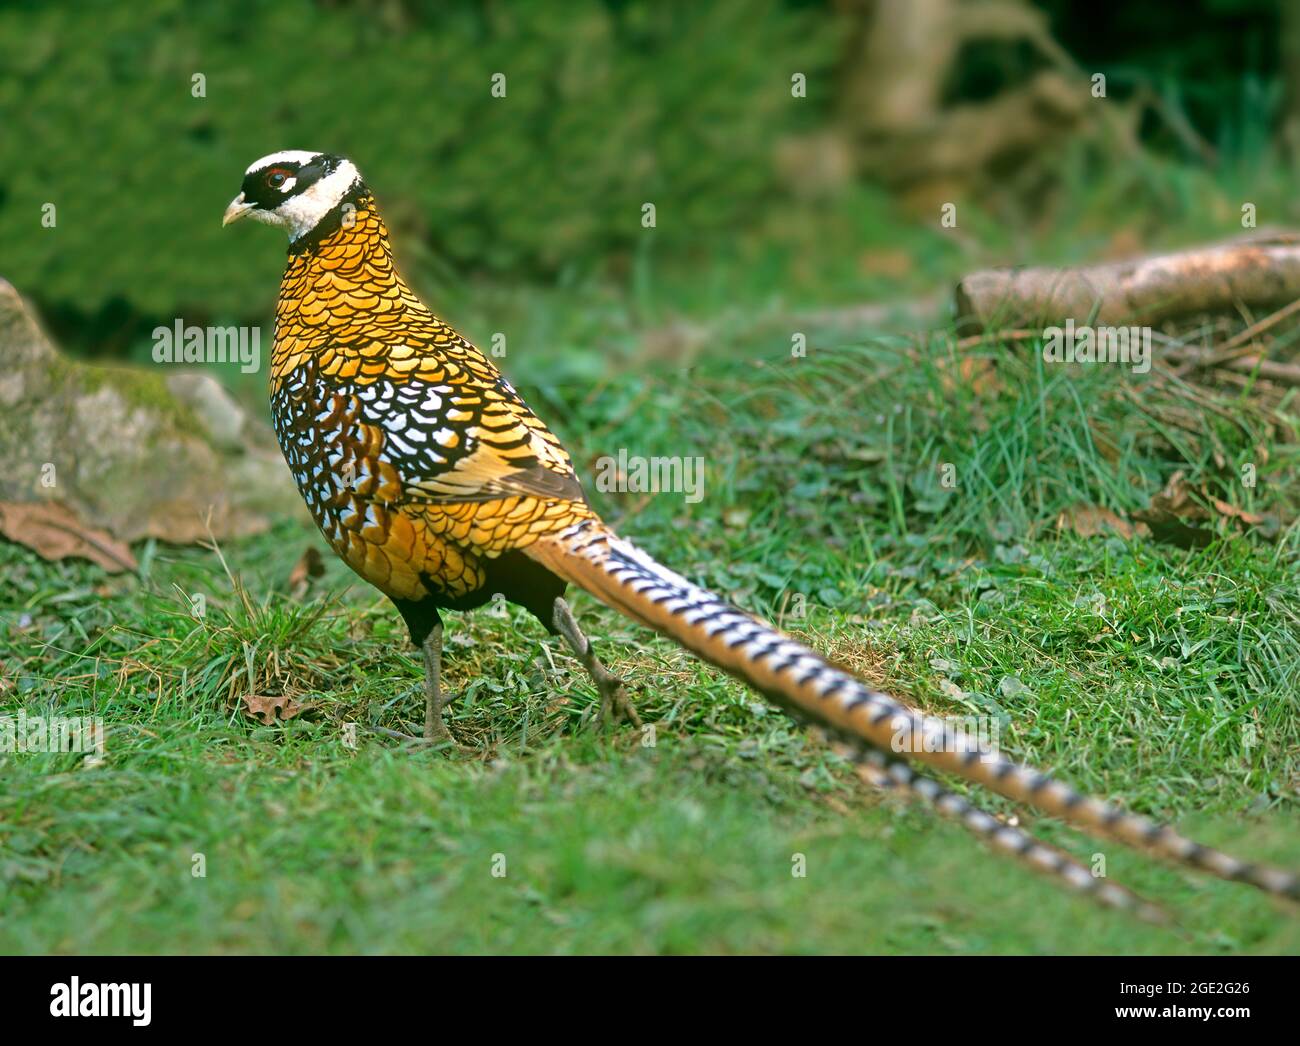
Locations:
(613, 695)
(435, 731)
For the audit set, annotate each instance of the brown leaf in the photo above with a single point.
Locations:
(1175, 517)
(1090, 520)
(1233, 512)
(1177, 497)
(267, 709)
(54, 532)
(1172, 513)
(309, 566)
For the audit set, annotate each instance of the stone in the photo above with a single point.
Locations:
(137, 453)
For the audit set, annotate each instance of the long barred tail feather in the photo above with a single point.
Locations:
(594, 558)
(892, 775)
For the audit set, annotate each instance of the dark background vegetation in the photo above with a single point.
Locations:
(610, 103)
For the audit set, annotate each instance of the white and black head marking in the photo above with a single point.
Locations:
(295, 190)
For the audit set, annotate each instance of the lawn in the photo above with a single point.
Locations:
(1161, 676)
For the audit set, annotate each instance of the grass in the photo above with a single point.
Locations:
(1164, 677)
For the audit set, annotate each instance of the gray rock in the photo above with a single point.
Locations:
(131, 451)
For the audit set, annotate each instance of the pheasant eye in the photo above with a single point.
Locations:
(275, 179)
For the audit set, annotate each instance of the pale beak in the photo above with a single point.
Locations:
(237, 209)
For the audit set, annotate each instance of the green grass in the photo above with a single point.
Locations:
(1162, 677)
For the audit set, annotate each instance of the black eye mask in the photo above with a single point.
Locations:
(258, 193)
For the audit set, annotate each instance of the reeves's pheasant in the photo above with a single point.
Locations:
(428, 474)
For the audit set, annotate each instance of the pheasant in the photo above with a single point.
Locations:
(430, 477)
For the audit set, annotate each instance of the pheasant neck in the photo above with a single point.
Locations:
(341, 298)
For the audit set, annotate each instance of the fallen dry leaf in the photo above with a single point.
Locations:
(1267, 525)
(1090, 520)
(1233, 512)
(1176, 496)
(268, 709)
(1175, 517)
(1172, 513)
(308, 567)
(54, 532)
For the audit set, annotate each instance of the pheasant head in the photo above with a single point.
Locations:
(298, 191)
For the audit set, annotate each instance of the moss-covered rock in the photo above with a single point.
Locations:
(133, 452)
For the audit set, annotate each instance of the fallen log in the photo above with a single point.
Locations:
(1260, 272)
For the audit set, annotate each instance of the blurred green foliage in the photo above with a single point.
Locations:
(610, 104)
(607, 106)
